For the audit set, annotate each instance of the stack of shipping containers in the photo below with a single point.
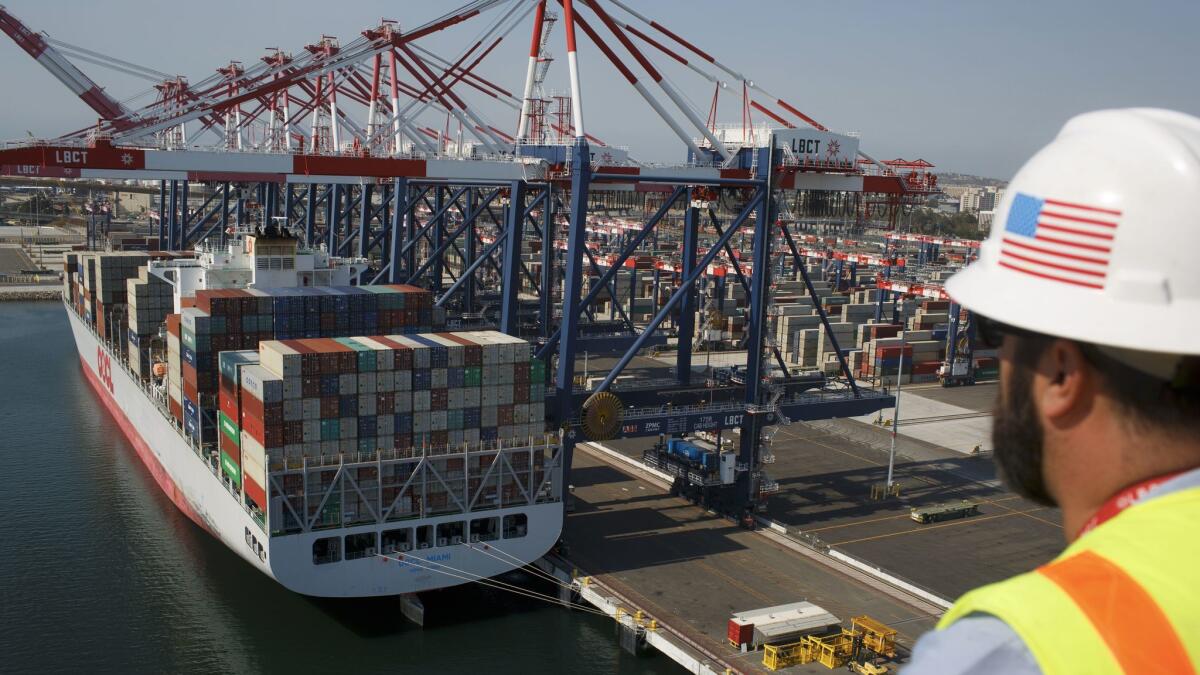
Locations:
(230, 320)
(109, 292)
(322, 397)
(151, 299)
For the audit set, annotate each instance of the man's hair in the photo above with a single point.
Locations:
(1148, 401)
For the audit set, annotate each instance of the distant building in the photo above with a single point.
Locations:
(968, 202)
(979, 199)
(985, 220)
(990, 199)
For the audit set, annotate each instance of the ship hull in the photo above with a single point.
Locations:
(196, 490)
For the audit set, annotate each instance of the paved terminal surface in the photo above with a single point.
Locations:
(13, 260)
(826, 470)
(978, 397)
(692, 569)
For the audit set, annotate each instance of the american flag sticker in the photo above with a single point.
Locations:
(1059, 241)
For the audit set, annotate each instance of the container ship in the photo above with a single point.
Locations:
(334, 436)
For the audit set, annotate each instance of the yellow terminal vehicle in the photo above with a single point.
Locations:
(946, 511)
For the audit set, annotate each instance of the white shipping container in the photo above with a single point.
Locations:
(279, 358)
(262, 384)
(252, 451)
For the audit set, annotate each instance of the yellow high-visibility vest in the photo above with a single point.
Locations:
(1124, 598)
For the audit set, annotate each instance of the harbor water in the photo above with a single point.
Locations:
(101, 573)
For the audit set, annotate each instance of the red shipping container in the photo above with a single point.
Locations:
(189, 391)
(329, 406)
(228, 404)
(173, 325)
(176, 409)
(229, 447)
(273, 413)
(187, 372)
(293, 432)
(438, 399)
(740, 633)
(894, 352)
(251, 405)
(310, 386)
(926, 367)
(268, 435)
(254, 491)
(439, 439)
(883, 330)
(253, 425)
(384, 403)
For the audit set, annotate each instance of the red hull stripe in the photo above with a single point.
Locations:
(1070, 205)
(1065, 268)
(144, 452)
(1047, 251)
(1051, 277)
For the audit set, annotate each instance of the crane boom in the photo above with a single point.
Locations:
(53, 60)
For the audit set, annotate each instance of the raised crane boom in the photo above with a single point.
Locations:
(52, 60)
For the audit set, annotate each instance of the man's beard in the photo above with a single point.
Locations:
(1017, 438)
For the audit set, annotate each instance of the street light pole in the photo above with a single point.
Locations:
(895, 418)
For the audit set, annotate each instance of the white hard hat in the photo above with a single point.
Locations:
(1097, 238)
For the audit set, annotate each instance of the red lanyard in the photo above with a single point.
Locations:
(1123, 500)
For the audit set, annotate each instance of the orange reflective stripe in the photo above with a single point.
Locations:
(1139, 635)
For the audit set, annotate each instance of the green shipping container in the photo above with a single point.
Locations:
(231, 469)
(330, 429)
(472, 376)
(537, 371)
(229, 428)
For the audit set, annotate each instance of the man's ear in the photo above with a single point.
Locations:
(1064, 385)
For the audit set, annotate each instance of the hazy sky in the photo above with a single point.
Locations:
(974, 87)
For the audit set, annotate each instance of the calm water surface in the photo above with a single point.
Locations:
(100, 573)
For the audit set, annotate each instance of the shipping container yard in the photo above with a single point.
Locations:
(378, 344)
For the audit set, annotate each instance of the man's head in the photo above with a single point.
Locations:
(1089, 266)
(1071, 416)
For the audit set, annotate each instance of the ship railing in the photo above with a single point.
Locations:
(426, 452)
